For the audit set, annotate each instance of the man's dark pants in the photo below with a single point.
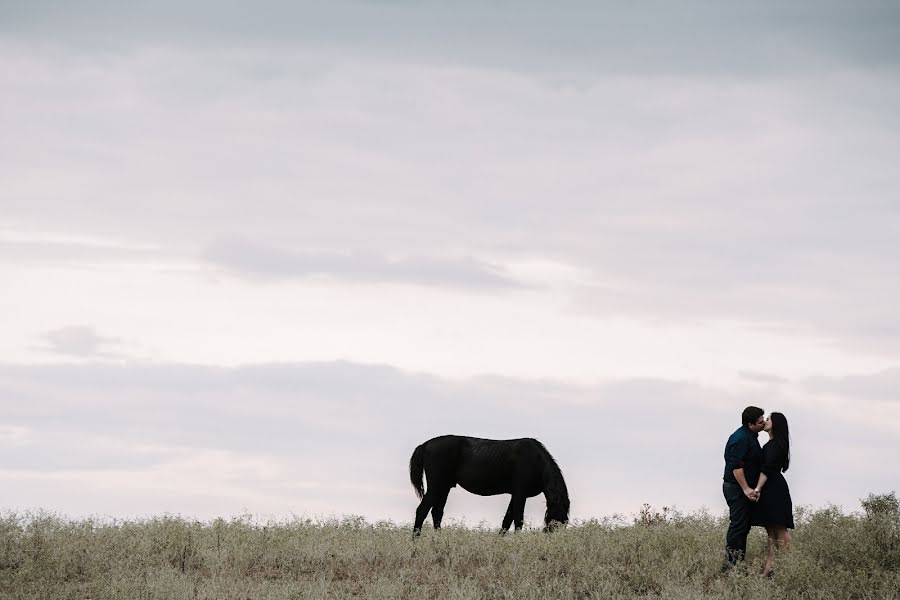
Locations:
(739, 522)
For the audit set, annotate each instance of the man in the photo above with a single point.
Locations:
(743, 461)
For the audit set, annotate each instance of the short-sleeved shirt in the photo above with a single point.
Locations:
(742, 451)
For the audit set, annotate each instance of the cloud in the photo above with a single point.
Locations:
(157, 479)
(678, 197)
(12, 435)
(80, 341)
(690, 163)
(883, 386)
(260, 260)
(764, 378)
(45, 248)
(693, 37)
(337, 436)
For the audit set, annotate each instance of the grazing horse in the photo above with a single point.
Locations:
(520, 467)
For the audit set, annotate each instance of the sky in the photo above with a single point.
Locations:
(252, 256)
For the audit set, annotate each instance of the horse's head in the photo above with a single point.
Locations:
(557, 514)
(553, 526)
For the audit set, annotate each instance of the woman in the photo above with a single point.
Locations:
(774, 509)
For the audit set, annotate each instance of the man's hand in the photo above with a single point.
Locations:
(751, 494)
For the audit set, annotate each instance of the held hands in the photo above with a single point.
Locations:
(752, 495)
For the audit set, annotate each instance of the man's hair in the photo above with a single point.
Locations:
(751, 414)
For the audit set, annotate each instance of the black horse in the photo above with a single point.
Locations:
(520, 467)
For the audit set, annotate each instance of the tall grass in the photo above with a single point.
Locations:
(658, 554)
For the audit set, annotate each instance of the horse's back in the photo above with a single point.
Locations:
(489, 467)
(484, 449)
(443, 444)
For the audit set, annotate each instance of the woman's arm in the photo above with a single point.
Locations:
(771, 464)
(762, 481)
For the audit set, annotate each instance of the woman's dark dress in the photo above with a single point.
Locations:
(774, 507)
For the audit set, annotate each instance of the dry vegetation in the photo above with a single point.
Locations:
(659, 554)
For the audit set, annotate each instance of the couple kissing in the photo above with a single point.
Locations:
(754, 485)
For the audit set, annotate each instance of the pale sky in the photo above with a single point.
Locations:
(252, 256)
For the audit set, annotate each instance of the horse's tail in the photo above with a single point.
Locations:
(416, 469)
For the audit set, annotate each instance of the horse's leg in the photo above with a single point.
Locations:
(437, 511)
(422, 511)
(518, 505)
(507, 520)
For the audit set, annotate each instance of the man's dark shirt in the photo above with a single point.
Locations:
(743, 451)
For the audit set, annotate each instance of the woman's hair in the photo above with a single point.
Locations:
(781, 435)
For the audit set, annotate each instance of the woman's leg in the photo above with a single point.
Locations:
(770, 556)
(784, 539)
(780, 540)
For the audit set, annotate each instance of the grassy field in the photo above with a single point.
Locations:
(657, 554)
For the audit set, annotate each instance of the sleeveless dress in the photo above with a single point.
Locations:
(774, 507)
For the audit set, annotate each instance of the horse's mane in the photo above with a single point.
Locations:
(555, 490)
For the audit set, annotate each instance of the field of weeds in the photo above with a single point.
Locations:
(657, 554)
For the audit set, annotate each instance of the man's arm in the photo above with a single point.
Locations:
(742, 481)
